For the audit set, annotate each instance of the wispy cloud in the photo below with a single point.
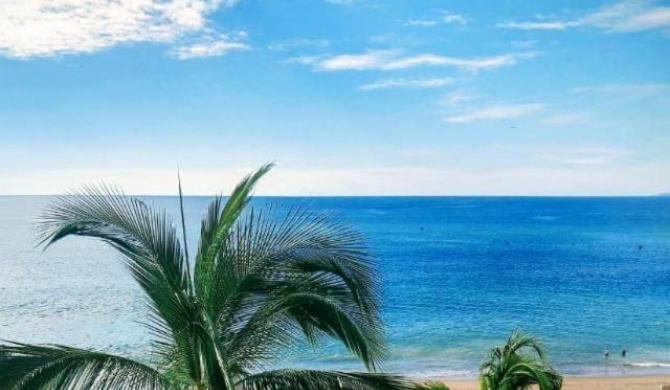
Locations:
(632, 15)
(37, 28)
(624, 16)
(304, 60)
(635, 89)
(299, 43)
(446, 17)
(210, 46)
(449, 17)
(495, 111)
(390, 60)
(554, 25)
(408, 83)
(421, 23)
(457, 98)
(366, 61)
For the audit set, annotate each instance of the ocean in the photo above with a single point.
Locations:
(459, 274)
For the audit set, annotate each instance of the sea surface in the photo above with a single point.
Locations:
(459, 274)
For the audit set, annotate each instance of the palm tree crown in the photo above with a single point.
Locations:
(261, 282)
(508, 368)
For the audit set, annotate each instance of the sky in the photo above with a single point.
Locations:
(347, 97)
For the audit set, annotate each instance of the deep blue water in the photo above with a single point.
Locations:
(459, 274)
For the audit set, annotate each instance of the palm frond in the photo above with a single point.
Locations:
(519, 340)
(508, 368)
(262, 282)
(151, 249)
(39, 367)
(314, 379)
(146, 238)
(183, 223)
(300, 271)
(284, 318)
(215, 230)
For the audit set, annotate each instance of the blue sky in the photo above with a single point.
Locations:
(348, 97)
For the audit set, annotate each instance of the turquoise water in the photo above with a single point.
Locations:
(459, 274)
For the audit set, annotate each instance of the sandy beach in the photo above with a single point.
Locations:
(587, 383)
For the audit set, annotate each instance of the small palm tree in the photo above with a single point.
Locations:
(261, 282)
(508, 368)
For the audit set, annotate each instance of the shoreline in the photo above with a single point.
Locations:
(633, 382)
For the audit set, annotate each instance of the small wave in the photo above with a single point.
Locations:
(452, 374)
(648, 364)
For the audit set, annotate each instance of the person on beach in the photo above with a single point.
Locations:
(623, 357)
(607, 352)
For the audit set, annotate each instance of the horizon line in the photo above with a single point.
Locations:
(660, 195)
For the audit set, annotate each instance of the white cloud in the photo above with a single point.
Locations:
(453, 18)
(628, 89)
(496, 111)
(393, 60)
(624, 16)
(457, 98)
(298, 43)
(38, 28)
(629, 16)
(467, 106)
(209, 46)
(466, 64)
(556, 25)
(421, 23)
(408, 83)
(303, 60)
(447, 17)
(367, 61)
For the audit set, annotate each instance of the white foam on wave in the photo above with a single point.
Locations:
(649, 364)
(453, 374)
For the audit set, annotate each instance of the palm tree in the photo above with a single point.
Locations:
(262, 282)
(507, 368)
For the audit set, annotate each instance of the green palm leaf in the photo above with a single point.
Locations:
(303, 273)
(314, 379)
(215, 231)
(509, 368)
(147, 240)
(29, 367)
(151, 249)
(262, 282)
